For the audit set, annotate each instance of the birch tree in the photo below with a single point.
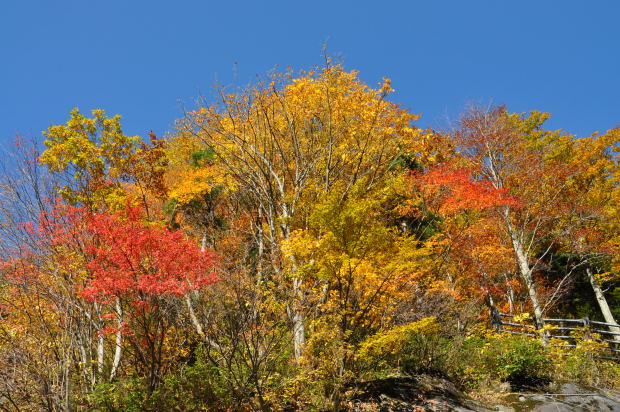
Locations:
(291, 139)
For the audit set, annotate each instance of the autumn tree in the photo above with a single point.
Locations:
(542, 169)
(289, 141)
(143, 267)
(102, 165)
(594, 239)
(39, 277)
(471, 260)
(55, 256)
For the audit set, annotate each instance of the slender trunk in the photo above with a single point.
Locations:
(188, 297)
(533, 294)
(295, 310)
(602, 302)
(100, 346)
(528, 278)
(261, 247)
(100, 355)
(510, 293)
(203, 242)
(86, 371)
(299, 332)
(525, 270)
(118, 341)
(192, 315)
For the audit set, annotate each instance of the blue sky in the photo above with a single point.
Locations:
(147, 59)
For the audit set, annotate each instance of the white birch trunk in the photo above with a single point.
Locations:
(296, 314)
(299, 331)
(100, 354)
(525, 270)
(100, 345)
(118, 341)
(602, 303)
(192, 315)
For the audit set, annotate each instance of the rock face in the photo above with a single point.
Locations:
(564, 398)
(404, 394)
(428, 393)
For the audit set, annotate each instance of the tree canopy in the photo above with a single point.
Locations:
(287, 239)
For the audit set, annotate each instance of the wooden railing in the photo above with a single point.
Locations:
(608, 333)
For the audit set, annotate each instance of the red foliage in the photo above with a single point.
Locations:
(125, 255)
(454, 190)
(136, 260)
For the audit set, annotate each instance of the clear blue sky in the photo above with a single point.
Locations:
(144, 59)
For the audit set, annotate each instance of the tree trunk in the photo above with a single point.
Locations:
(602, 302)
(118, 341)
(510, 293)
(100, 355)
(100, 347)
(295, 311)
(261, 247)
(299, 332)
(192, 315)
(203, 242)
(526, 272)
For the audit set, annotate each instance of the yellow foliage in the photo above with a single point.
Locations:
(195, 182)
(107, 165)
(522, 317)
(392, 341)
(364, 263)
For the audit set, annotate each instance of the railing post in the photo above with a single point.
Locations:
(496, 319)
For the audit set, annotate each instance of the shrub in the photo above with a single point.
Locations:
(412, 348)
(520, 360)
(392, 342)
(196, 386)
(587, 362)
